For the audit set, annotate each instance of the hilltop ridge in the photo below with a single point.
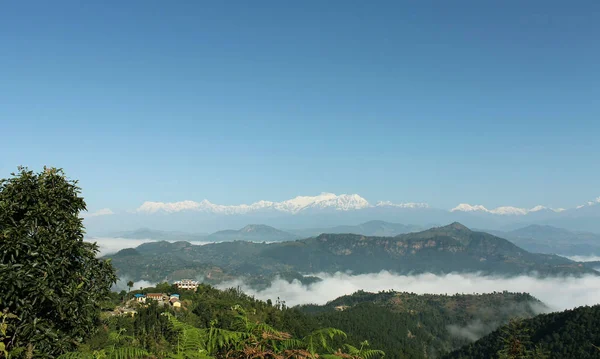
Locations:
(446, 249)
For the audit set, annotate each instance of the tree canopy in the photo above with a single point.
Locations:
(52, 281)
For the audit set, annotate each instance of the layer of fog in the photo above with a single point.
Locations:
(557, 292)
(473, 330)
(591, 258)
(110, 245)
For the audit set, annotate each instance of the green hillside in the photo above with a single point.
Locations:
(453, 248)
(570, 334)
(407, 325)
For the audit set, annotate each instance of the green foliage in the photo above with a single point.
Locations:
(408, 325)
(363, 351)
(118, 353)
(568, 334)
(240, 337)
(51, 278)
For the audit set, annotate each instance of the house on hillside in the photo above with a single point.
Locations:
(141, 298)
(187, 284)
(341, 308)
(174, 295)
(156, 296)
(175, 302)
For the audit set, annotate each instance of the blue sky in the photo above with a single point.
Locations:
(428, 101)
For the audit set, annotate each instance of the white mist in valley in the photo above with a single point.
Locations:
(592, 258)
(110, 245)
(556, 292)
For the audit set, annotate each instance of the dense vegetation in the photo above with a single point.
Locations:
(453, 248)
(218, 324)
(407, 325)
(570, 334)
(52, 283)
(54, 289)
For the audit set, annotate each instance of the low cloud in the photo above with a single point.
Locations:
(557, 292)
(100, 212)
(471, 331)
(111, 245)
(584, 258)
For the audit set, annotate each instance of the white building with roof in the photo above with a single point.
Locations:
(186, 284)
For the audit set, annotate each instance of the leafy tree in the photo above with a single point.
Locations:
(52, 280)
(130, 285)
(516, 341)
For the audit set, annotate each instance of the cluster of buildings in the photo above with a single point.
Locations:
(172, 299)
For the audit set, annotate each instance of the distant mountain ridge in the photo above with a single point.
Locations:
(343, 202)
(147, 233)
(452, 248)
(252, 232)
(370, 228)
(553, 240)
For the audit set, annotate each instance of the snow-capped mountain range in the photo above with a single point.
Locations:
(504, 210)
(325, 200)
(329, 209)
(343, 202)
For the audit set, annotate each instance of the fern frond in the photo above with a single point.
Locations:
(75, 355)
(372, 353)
(319, 339)
(127, 353)
(291, 344)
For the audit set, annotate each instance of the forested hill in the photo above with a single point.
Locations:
(408, 325)
(453, 248)
(570, 334)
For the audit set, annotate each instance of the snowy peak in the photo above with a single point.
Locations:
(343, 202)
(503, 210)
(465, 207)
(401, 205)
(590, 203)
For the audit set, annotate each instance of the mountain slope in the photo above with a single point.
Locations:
(407, 325)
(452, 248)
(252, 232)
(569, 334)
